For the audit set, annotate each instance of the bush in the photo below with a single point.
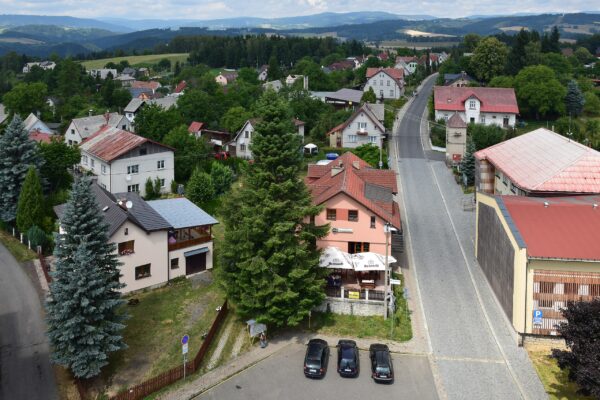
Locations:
(36, 236)
(485, 136)
(438, 133)
(221, 177)
(200, 188)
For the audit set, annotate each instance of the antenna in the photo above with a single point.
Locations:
(129, 204)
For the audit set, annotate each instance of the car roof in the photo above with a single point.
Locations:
(346, 343)
(382, 358)
(378, 347)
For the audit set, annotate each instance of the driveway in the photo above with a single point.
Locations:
(281, 377)
(25, 370)
(473, 349)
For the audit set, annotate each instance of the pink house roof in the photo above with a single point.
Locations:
(501, 100)
(544, 161)
(394, 73)
(373, 188)
(557, 227)
(180, 87)
(40, 137)
(195, 126)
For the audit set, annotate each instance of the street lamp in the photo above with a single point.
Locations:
(386, 229)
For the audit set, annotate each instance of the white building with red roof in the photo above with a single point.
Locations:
(387, 83)
(488, 106)
(538, 163)
(123, 161)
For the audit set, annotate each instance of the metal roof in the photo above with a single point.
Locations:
(544, 161)
(182, 213)
(87, 126)
(501, 100)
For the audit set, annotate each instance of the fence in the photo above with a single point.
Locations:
(174, 374)
(45, 267)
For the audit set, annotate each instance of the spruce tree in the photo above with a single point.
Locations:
(269, 263)
(30, 209)
(574, 100)
(17, 154)
(467, 165)
(84, 325)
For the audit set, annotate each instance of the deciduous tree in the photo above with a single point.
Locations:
(489, 58)
(539, 92)
(26, 98)
(221, 177)
(200, 188)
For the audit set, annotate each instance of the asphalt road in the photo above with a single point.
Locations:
(473, 351)
(25, 370)
(281, 377)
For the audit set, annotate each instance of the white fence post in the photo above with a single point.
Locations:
(366, 294)
(29, 244)
(21, 238)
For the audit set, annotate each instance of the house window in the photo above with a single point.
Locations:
(472, 105)
(242, 147)
(388, 82)
(162, 183)
(381, 93)
(331, 214)
(381, 82)
(143, 271)
(103, 169)
(93, 162)
(362, 125)
(372, 222)
(70, 142)
(358, 247)
(373, 139)
(126, 231)
(124, 127)
(482, 119)
(472, 120)
(133, 169)
(246, 134)
(84, 160)
(103, 186)
(352, 138)
(133, 188)
(513, 188)
(126, 248)
(353, 215)
(175, 263)
(391, 93)
(72, 131)
(160, 164)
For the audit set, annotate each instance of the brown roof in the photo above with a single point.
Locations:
(151, 85)
(373, 188)
(110, 143)
(456, 121)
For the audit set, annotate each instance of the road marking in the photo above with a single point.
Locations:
(479, 299)
(469, 359)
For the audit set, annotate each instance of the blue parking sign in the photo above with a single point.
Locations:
(537, 317)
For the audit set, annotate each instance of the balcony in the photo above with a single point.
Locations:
(188, 237)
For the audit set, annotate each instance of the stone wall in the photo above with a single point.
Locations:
(351, 307)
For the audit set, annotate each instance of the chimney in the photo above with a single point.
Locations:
(336, 170)
(356, 164)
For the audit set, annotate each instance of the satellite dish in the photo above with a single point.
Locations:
(129, 204)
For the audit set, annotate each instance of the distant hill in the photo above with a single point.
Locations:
(8, 20)
(55, 34)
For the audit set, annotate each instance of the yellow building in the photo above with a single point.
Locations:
(538, 254)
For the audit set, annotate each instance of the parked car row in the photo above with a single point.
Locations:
(316, 360)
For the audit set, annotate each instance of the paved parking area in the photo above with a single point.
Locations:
(281, 377)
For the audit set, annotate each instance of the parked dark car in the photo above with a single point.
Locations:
(382, 368)
(316, 358)
(348, 360)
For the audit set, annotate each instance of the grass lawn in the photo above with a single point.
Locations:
(532, 124)
(155, 328)
(136, 60)
(18, 250)
(555, 380)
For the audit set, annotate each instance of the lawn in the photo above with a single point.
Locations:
(532, 124)
(155, 328)
(555, 380)
(18, 250)
(136, 60)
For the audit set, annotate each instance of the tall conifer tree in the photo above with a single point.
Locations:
(30, 209)
(269, 260)
(83, 323)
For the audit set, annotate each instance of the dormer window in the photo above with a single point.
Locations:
(472, 105)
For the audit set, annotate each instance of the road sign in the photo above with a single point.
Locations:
(395, 281)
(185, 339)
(184, 349)
(537, 317)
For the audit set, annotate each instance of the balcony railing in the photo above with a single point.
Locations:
(364, 294)
(189, 243)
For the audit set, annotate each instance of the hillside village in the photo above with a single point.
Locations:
(319, 197)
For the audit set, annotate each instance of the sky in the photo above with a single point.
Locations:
(213, 9)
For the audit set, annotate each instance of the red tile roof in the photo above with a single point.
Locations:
(195, 127)
(544, 161)
(151, 85)
(180, 87)
(341, 65)
(406, 59)
(355, 182)
(394, 73)
(567, 228)
(501, 100)
(39, 136)
(109, 143)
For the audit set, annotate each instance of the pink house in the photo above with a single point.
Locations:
(358, 202)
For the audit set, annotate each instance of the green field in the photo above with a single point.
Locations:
(136, 60)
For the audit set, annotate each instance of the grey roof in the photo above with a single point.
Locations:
(378, 110)
(182, 213)
(165, 102)
(86, 126)
(133, 105)
(128, 71)
(378, 193)
(114, 215)
(347, 95)
(453, 77)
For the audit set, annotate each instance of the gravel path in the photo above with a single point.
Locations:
(222, 341)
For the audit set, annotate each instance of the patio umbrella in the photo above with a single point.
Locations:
(370, 261)
(334, 258)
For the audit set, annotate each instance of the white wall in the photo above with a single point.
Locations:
(383, 82)
(488, 118)
(351, 130)
(243, 140)
(180, 254)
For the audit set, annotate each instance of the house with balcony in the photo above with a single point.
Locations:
(243, 139)
(363, 127)
(365, 224)
(477, 105)
(123, 161)
(155, 241)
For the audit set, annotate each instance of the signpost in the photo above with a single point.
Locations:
(537, 317)
(184, 349)
(395, 281)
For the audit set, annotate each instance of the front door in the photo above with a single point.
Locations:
(195, 263)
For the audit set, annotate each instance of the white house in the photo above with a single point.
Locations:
(45, 65)
(387, 83)
(33, 123)
(81, 128)
(226, 78)
(156, 241)
(263, 73)
(123, 161)
(103, 73)
(291, 79)
(136, 104)
(481, 105)
(364, 126)
(243, 139)
(275, 85)
(407, 63)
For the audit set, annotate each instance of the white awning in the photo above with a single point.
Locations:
(310, 146)
(334, 258)
(370, 261)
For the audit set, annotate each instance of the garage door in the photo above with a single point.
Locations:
(195, 261)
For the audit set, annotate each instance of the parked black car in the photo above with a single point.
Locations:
(381, 363)
(316, 358)
(348, 360)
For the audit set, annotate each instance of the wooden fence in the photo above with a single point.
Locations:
(174, 374)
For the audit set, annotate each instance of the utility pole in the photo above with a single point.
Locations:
(386, 229)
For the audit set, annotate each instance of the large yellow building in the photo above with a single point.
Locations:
(538, 254)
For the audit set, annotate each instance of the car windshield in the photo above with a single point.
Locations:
(311, 362)
(382, 370)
